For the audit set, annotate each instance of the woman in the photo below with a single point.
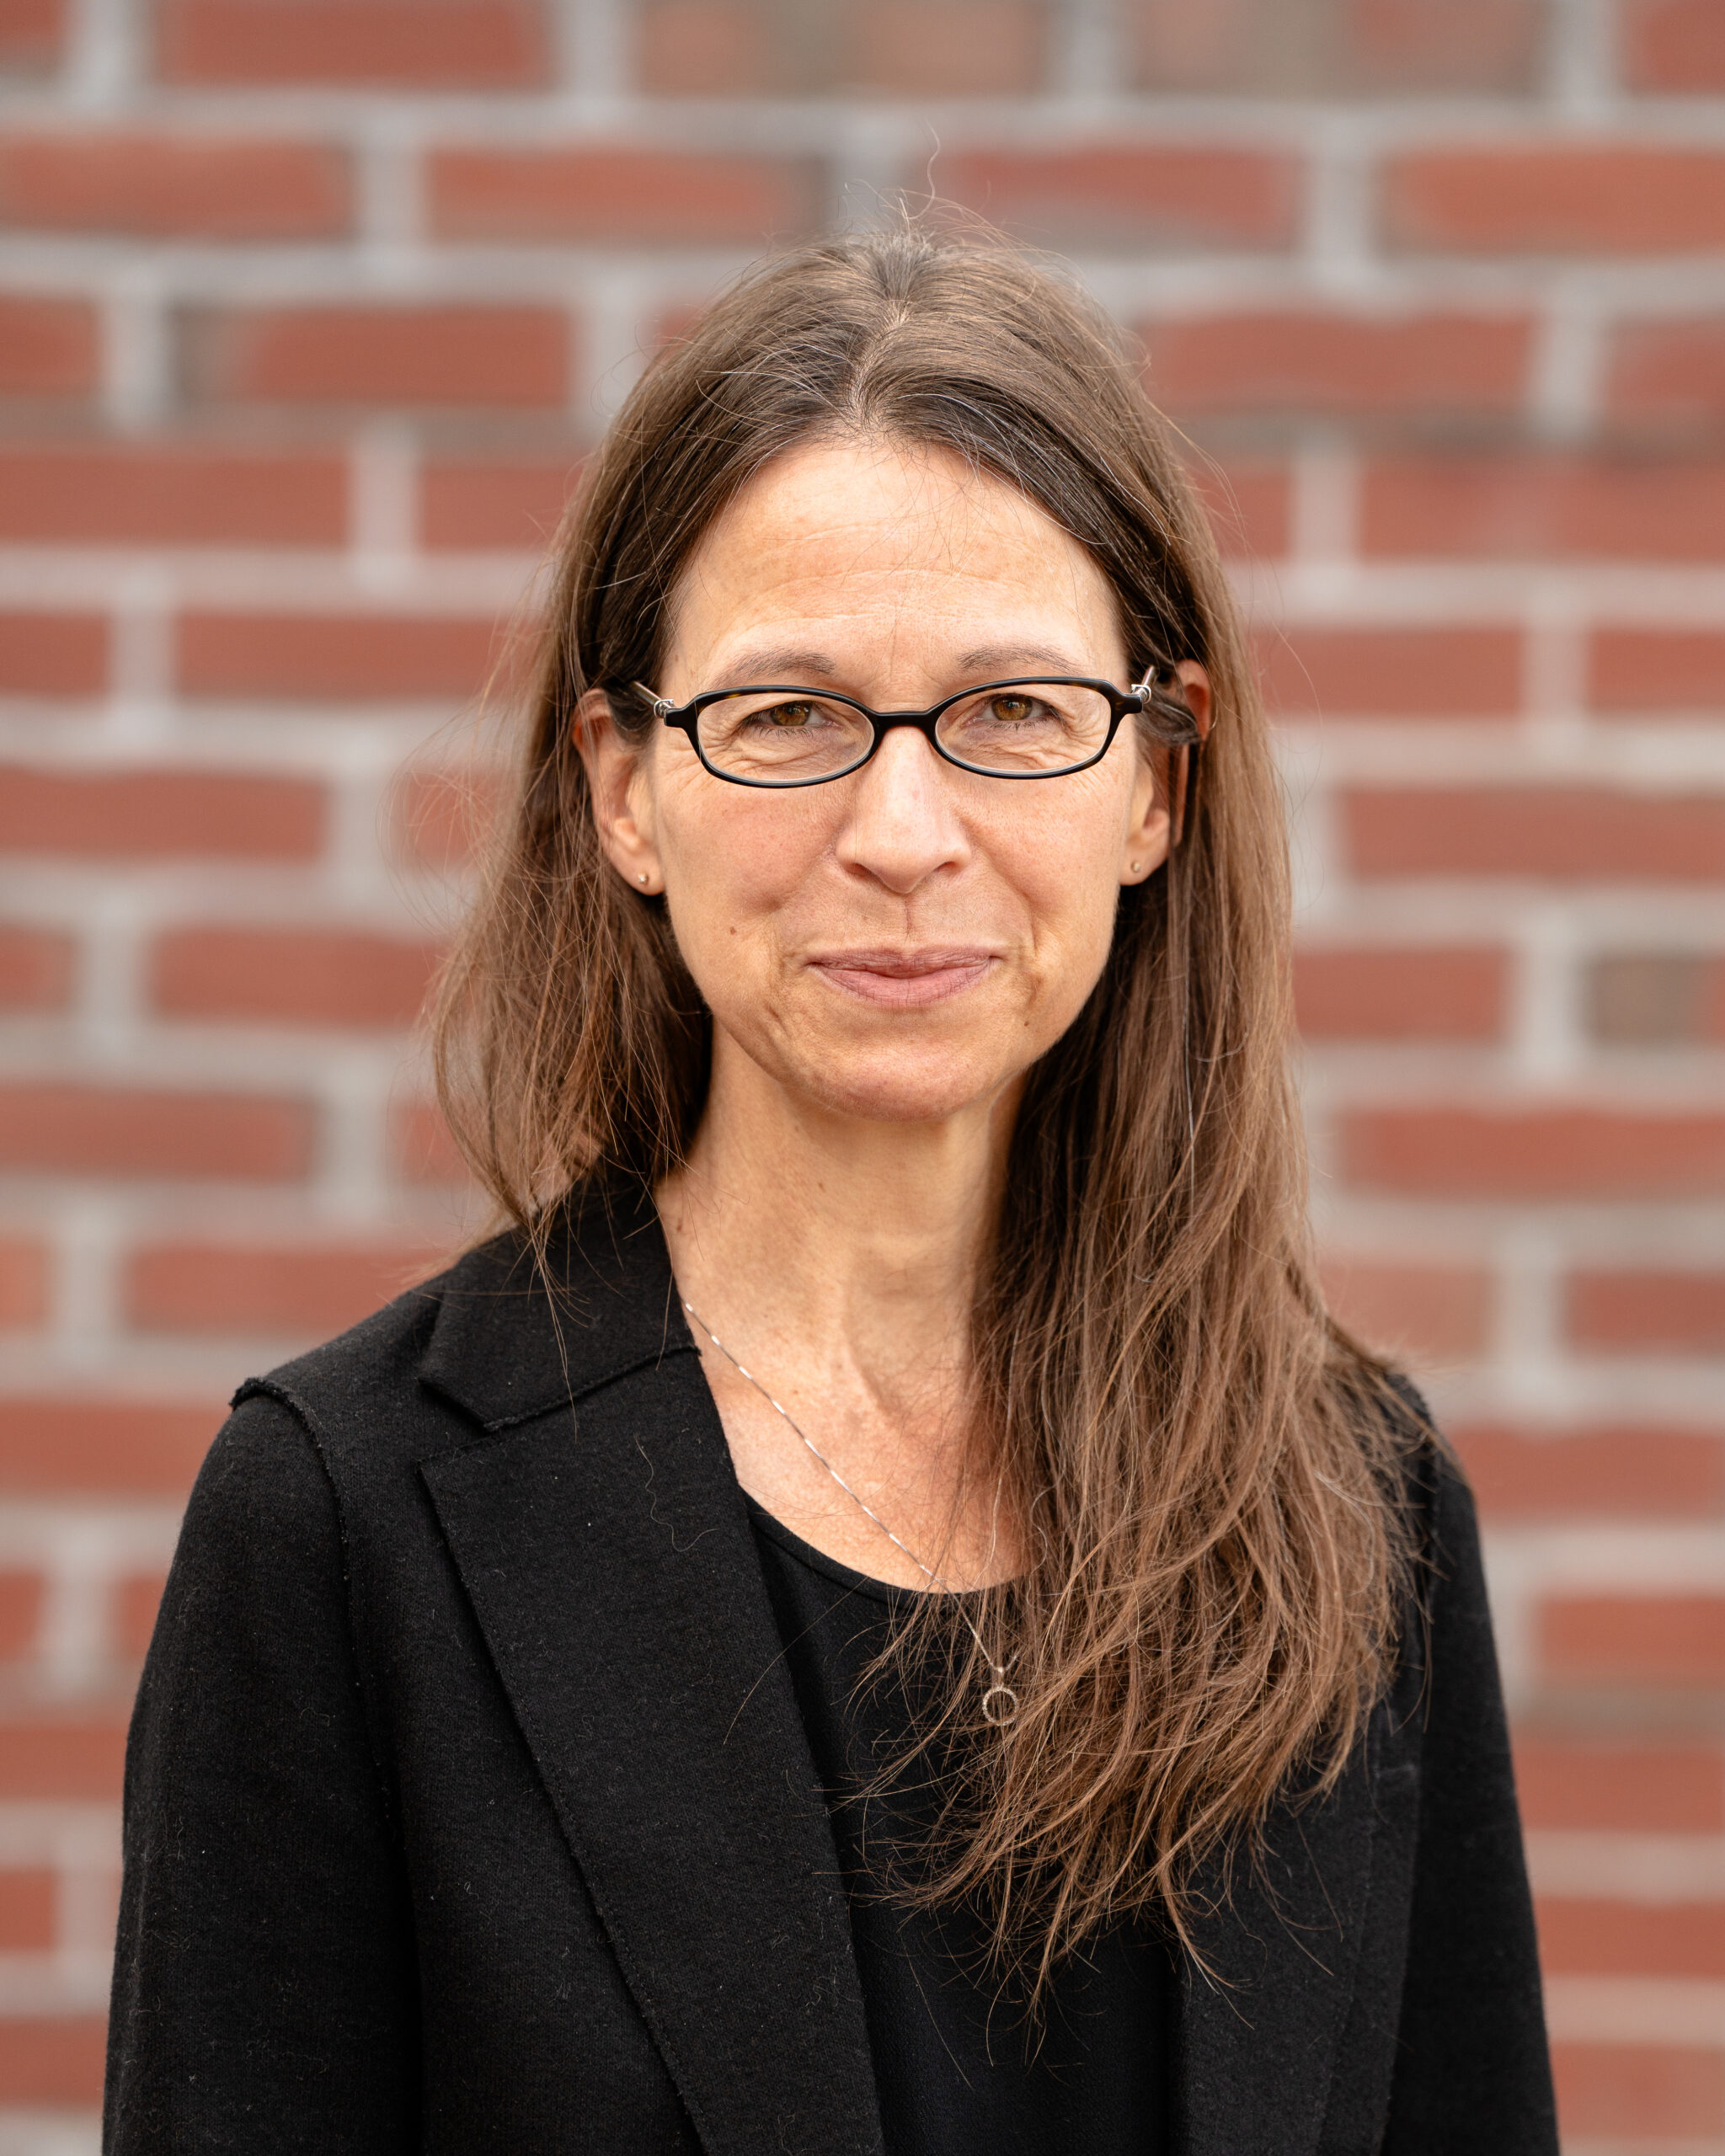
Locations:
(879, 1613)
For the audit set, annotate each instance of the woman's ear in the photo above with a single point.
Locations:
(1146, 844)
(1159, 798)
(1194, 694)
(623, 801)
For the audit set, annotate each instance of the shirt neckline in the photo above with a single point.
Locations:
(887, 1592)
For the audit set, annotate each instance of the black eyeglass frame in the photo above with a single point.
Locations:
(1179, 728)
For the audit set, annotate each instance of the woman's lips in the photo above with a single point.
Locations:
(903, 980)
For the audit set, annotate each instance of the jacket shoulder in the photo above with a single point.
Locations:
(1434, 1493)
(1439, 1489)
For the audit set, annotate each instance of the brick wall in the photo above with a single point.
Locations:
(308, 308)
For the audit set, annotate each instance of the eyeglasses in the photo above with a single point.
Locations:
(775, 735)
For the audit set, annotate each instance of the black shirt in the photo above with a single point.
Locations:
(961, 2068)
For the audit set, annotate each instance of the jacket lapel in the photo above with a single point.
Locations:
(1255, 2045)
(602, 1539)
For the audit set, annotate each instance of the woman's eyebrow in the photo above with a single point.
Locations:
(792, 663)
(779, 663)
(991, 655)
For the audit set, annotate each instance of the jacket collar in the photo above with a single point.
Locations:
(603, 1540)
(514, 1340)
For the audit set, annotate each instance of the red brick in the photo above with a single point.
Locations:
(53, 2061)
(1548, 1152)
(111, 1447)
(36, 968)
(1247, 505)
(53, 654)
(1657, 669)
(710, 48)
(1128, 194)
(31, 34)
(1683, 1313)
(106, 1131)
(621, 197)
(1672, 371)
(20, 1613)
(1400, 673)
(23, 1281)
(1602, 198)
(455, 44)
(1425, 46)
(1672, 45)
(1564, 835)
(338, 656)
(721, 48)
(28, 1910)
(1594, 1786)
(161, 186)
(225, 1288)
(137, 1599)
(48, 347)
(443, 819)
(62, 1757)
(175, 494)
(1658, 509)
(154, 815)
(1632, 2091)
(515, 504)
(1336, 363)
(511, 357)
(1604, 1474)
(421, 1148)
(1657, 998)
(1674, 1639)
(291, 976)
(780, 48)
(947, 48)
(1372, 994)
(1623, 1939)
(1431, 1313)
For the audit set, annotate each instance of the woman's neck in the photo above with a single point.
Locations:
(839, 1260)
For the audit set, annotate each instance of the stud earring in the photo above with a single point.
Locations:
(643, 876)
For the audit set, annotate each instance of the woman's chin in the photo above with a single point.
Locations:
(895, 1087)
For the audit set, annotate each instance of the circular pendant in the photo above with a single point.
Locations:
(999, 1705)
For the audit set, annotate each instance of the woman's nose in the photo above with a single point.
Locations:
(904, 824)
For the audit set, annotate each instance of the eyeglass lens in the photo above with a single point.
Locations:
(1031, 729)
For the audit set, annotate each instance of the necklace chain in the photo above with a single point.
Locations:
(1000, 1702)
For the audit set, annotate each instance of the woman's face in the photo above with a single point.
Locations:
(903, 943)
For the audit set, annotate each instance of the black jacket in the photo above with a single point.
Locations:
(468, 1807)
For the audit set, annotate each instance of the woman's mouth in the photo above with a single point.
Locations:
(905, 980)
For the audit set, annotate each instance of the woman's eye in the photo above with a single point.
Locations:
(786, 715)
(1014, 711)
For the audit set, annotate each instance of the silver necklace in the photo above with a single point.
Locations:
(1000, 1702)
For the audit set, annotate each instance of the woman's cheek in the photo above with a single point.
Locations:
(742, 855)
(1067, 881)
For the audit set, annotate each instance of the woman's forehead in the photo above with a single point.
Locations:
(881, 502)
(847, 544)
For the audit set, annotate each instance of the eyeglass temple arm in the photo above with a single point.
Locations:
(662, 705)
(1152, 700)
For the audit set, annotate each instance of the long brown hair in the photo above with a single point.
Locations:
(1200, 1459)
